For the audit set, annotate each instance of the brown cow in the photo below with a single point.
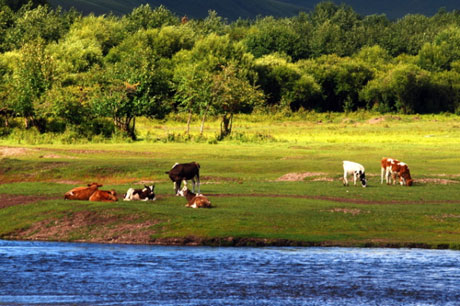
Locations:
(82, 193)
(104, 196)
(195, 200)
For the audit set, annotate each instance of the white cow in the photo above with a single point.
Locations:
(356, 169)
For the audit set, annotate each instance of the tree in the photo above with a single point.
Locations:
(144, 17)
(33, 76)
(444, 50)
(193, 91)
(231, 93)
(197, 67)
(133, 83)
(285, 84)
(39, 23)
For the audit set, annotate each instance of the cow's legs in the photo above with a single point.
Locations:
(382, 173)
(345, 181)
(355, 176)
(193, 182)
(177, 187)
(198, 183)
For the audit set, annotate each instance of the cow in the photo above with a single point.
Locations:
(194, 200)
(394, 169)
(82, 193)
(104, 196)
(184, 172)
(386, 169)
(404, 175)
(357, 170)
(140, 194)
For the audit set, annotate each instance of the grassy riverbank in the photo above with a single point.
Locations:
(277, 182)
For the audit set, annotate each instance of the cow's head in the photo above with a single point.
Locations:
(183, 191)
(409, 182)
(362, 178)
(95, 185)
(150, 193)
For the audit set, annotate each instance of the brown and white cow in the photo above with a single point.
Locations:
(104, 196)
(394, 169)
(404, 175)
(386, 169)
(82, 193)
(195, 200)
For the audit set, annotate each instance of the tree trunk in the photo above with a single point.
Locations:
(188, 122)
(202, 121)
(226, 125)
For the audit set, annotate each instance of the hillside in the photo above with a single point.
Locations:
(232, 9)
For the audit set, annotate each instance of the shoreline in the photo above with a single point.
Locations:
(252, 242)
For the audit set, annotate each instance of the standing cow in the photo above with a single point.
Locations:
(357, 170)
(184, 172)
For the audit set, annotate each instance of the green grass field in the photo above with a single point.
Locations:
(275, 181)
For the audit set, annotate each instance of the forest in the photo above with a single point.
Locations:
(94, 75)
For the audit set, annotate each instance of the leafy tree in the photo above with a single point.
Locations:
(444, 50)
(270, 35)
(38, 23)
(231, 93)
(144, 17)
(207, 58)
(134, 83)
(193, 91)
(284, 83)
(340, 79)
(33, 76)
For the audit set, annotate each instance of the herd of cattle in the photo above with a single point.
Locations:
(179, 173)
(391, 169)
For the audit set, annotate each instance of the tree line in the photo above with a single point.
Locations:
(60, 70)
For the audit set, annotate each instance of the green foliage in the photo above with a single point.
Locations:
(144, 17)
(63, 72)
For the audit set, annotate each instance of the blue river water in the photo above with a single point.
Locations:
(48, 273)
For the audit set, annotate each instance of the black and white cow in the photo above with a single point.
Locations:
(144, 194)
(184, 172)
(357, 170)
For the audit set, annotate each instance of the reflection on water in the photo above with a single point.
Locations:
(94, 274)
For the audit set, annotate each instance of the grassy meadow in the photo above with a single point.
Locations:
(276, 181)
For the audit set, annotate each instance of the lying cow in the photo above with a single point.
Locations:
(140, 194)
(104, 196)
(184, 172)
(82, 193)
(195, 200)
(357, 170)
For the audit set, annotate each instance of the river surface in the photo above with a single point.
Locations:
(48, 273)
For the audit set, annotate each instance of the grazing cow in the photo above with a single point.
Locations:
(357, 170)
(82, 193)
(104, 196)
(404, 175)
(184, 172)
(194, 200)
(394, 169)
(140, 194)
